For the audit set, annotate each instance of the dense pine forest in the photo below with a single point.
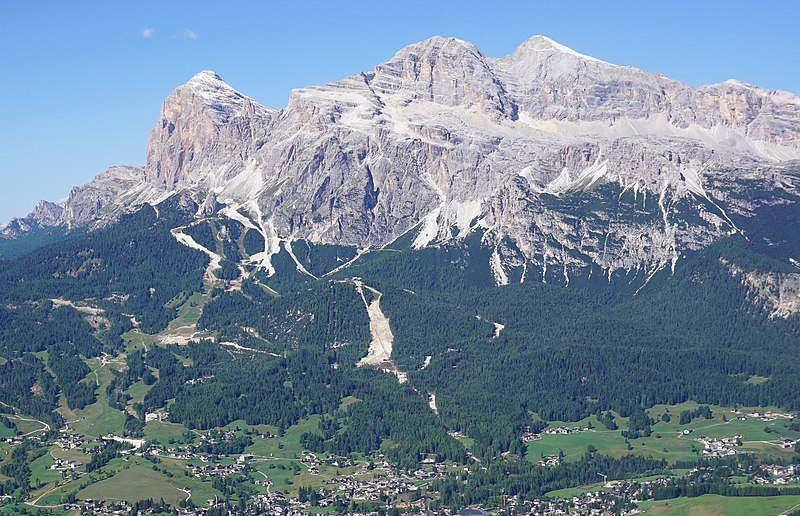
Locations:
(501, 361)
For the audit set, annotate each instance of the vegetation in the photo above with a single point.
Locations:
(136, 256)
(279, 356)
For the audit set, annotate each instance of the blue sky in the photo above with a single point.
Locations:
(83, 81)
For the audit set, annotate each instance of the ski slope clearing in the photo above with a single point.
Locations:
(239, 347)
(188, 241)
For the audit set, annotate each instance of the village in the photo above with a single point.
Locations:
(778, 475)
(550, 461)
(719, 447)
(566, 430)
(304, 481)
(384, 483)
(762, 416)
(529, 436)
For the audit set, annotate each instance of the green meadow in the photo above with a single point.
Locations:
(714, 505)
(668, 440)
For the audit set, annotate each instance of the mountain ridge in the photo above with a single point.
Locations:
(444, 140)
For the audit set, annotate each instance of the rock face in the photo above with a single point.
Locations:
(207, 125)
(47, 213)
(100, 201)
(102, 198)
(562, 160)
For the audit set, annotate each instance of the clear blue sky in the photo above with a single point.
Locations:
(83, 81)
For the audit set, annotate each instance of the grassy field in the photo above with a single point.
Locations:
(468, 442)
(189, 311)
(277, 459)
(714, 505)
(609, 442)
(6, 432)
(98, 418)
(135, 479)
(288, 446)
(347, 401)
(162, 431)
(595, 486)
(135, 339)
(201, 489)
(75, 454)
(134, 484)
(241, 424)
(137, 391)
(41, 472)
(26, 425)
(667, 442)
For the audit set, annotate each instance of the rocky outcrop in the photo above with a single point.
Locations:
(47, 213)
(104, 197)
(779, 292)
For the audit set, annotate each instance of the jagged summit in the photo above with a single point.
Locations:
(205, 76)
(541, 43)
(437, 44)
(215, 92)
(195, 121)
(446, 71)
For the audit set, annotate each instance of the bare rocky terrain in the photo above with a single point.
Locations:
(563, 162)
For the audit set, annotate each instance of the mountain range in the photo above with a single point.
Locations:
(566, 164)
(452, 281)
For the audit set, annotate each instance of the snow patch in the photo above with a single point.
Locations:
(693, 181)
(566, 50)
(437, 224)
(559, 184)
(465, 213)
(497, 329)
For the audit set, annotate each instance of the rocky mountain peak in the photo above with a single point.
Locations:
(206, 77)
(445, 71)
(210, 91)
(203, 114)
(436, 46)
(543, 45)
(540, 59)
(47, 213)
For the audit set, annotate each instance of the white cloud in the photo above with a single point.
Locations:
(148, 33)
(190, 34)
